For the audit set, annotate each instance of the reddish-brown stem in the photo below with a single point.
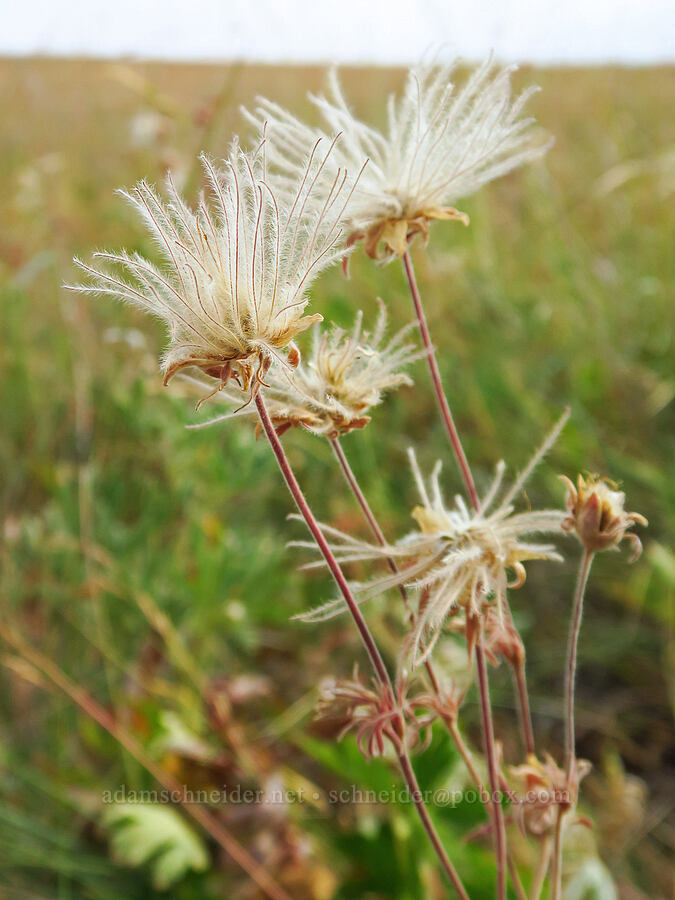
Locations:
(446, 413)
(368, 640)
(517, 663)
(417, 799)
(465, 753)
(379, 537)
(518, 667)
(317, 534)
(493, 775)
(125, 739)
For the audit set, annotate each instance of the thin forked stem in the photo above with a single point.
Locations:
(368, 640)
(446, 413)
(493, 775)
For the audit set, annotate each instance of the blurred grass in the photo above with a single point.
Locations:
(560, 292)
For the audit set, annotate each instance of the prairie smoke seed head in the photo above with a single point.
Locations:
(441, 144)
(459, 557)
(595, 513)
(233, 286)
(332, 391)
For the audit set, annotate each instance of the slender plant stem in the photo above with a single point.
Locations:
(518, 667)
(458, 450)
(515, 878)
(361, 500)
(317, 534)
(417, 799)
(467, 756)
(125, 739)
(379, 537)
(571, 665)
(491, 756)
(541, 869)
(371, 647)
(556, 859)
(446, 414)
(570, 741)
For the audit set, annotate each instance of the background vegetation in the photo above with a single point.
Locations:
(149, 562)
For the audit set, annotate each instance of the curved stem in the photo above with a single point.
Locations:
(368, 640)
(571, 665)
(491, 756)
(416, 797)
(317, 534)
(446, 414)
(518, 667)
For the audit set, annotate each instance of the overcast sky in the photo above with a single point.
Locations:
(381, 31)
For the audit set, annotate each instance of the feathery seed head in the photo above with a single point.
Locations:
(458, 558)
(233, 286)
(346, 374)
(440, 145)
(595, 513)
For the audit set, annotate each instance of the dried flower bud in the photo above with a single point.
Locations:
(374, 713)
(595, 512)
(502, 640)
(543, 787)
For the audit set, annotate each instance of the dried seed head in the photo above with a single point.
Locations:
(442, 143)
(595, 513)
(374, 713)
(542, 788)
(332, 391)
(233, 287)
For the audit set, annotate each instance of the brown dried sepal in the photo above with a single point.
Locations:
(389, 238)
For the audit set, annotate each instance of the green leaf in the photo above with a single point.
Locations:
(143, 833)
